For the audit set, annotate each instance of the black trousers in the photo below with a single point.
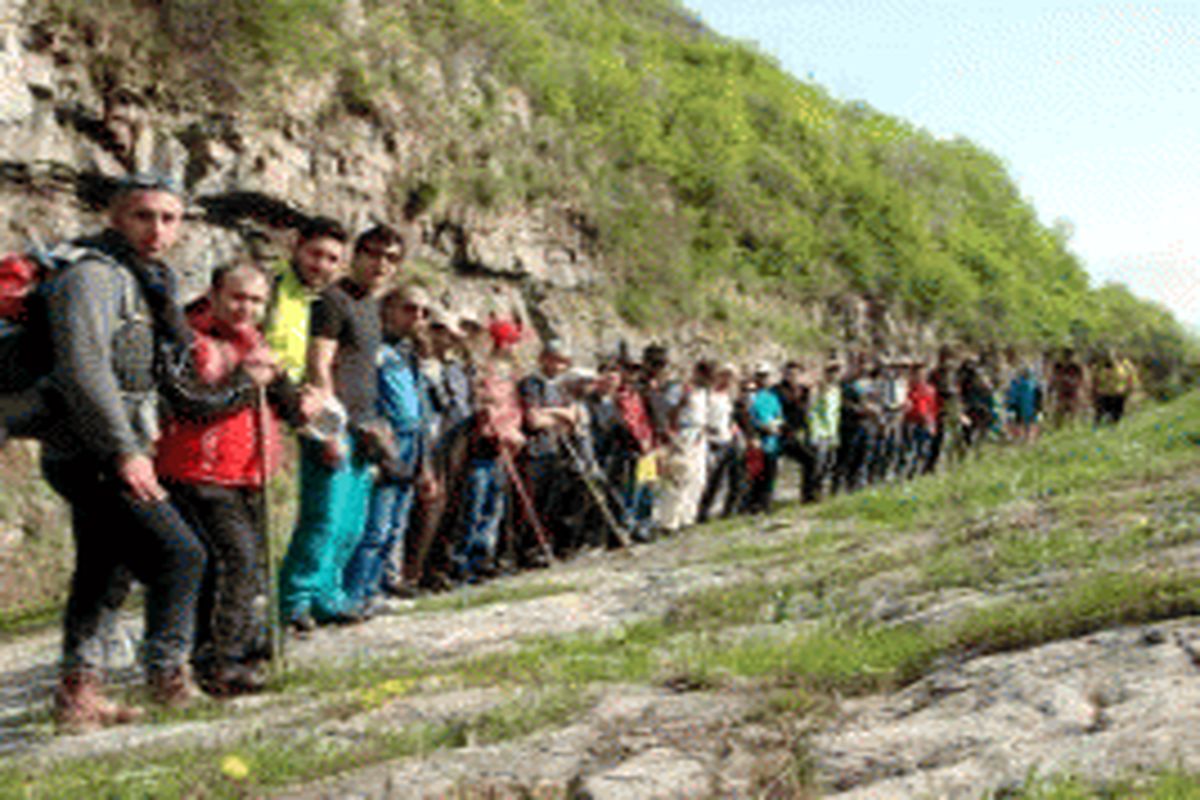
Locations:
(800, 453)
(118, 539)
(549, 483)
(725, 467)
(1109, 408)
(227, 520)
(761, 494)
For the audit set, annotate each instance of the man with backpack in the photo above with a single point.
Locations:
(114, 323)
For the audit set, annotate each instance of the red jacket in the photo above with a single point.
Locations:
(923, 405)
(224, 451)
(635, 417)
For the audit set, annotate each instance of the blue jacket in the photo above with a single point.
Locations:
(766, 411)
(404, 404)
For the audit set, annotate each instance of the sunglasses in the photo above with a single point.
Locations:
(148, 182)
(415, 308)
(385, 254)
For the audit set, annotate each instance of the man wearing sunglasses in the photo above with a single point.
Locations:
(335, 475)
(404, 470)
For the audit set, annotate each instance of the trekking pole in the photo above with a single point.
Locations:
(526, 503)
(274, 629)
(597, 495)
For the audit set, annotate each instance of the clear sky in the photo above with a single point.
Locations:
(1095, 106)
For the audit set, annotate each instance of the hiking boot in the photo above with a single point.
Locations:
(231, 680)
(81, 707)
(172, 687)
(437, 581)
(400, 589)
(350, 616)
(302, 625)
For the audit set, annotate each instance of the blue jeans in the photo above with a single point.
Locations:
(387, 524)
(639, 510)
(920, 448)
(485, 505)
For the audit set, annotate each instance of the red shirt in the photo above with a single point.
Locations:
(634, 416)
(923, 405)
(225, 451)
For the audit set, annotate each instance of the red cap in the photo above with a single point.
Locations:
(505, 333)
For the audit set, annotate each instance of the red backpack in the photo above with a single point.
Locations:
(19, 277)
(22, 355)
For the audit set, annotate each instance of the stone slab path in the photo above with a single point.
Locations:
(1099, 706)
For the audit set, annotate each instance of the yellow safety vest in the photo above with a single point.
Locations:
(287, 328)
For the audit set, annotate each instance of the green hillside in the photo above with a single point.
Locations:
(697, 162)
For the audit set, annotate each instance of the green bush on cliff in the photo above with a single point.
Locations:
(770, 174)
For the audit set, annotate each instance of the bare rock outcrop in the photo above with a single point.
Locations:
(1104, 706)
(64, 138)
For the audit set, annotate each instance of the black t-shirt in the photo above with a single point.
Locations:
(348, 315)
(795, 408)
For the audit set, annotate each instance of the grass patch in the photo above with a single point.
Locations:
(1146, 446)
(1164, 785)
(24, 621)
(836, 656)
(737, 604)
(469, 597)
(861, 657)
(827, 659)
(268, 760)
(630, 655)
(240, 770)
(748, 552)
(1090, 603)
(349, 675)
(830, 655)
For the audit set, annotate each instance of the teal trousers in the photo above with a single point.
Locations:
(332, 515)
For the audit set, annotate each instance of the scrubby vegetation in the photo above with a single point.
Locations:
(697, 162)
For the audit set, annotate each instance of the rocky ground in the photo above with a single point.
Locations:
(1102, 706)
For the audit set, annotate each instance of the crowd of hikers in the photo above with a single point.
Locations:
(427, 456)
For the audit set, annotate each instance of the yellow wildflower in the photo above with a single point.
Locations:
(235, 768)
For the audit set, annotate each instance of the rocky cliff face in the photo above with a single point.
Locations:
(79, 106)
(252, 174)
